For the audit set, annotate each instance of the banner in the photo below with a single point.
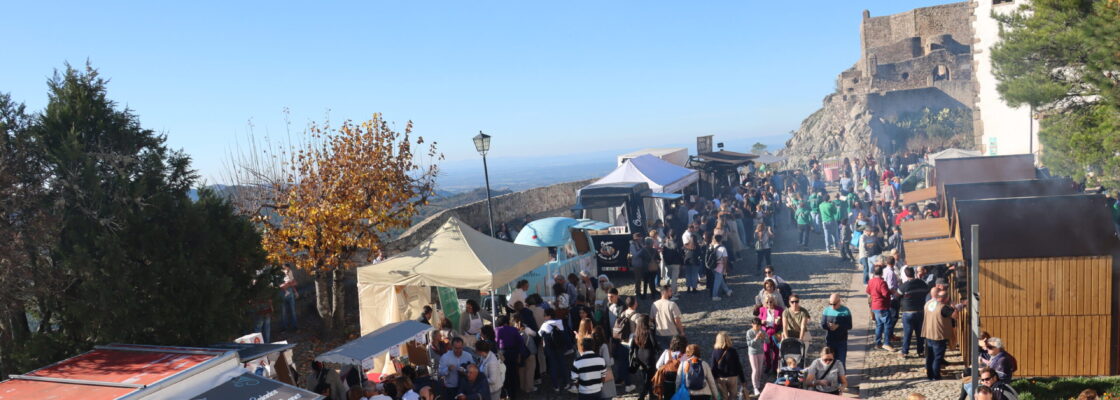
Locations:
(449, 301)
(611, 252)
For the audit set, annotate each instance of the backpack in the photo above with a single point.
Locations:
(555, 339)
(621, 329)
(666, 374)
(711, 258)
(694, 378)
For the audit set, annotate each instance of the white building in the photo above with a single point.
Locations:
(1002, 129)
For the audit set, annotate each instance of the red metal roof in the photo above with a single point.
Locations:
(107, 372)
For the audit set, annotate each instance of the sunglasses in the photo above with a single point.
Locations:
(794, 301)
(990, 378)
(827, 360)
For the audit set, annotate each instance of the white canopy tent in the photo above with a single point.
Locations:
(454, 256)
(662, 177)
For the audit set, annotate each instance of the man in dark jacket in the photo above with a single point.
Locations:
(914, 293)
(477, 387)
(837, 321)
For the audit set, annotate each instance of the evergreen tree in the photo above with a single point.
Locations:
(142, 262)
(1061, 58)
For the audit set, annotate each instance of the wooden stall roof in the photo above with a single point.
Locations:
(933, 252)
(1046, 226)
(929, 228)
(1002, 189)
(928, 193)
(983, 169)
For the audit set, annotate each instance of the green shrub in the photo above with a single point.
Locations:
(1064, 388)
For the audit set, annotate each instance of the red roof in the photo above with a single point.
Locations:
(107, 372)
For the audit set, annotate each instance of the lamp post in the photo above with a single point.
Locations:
(482, 144)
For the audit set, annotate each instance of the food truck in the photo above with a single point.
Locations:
(624, 205)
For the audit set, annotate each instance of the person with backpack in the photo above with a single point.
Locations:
(643, 355)
(691, 242)
(695, 375)
(672, 258)
(718, 254)
(556, 340)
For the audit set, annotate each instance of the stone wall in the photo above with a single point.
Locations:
(552, 200)
(924, 23)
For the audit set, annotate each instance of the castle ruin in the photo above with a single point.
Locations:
(909, 61)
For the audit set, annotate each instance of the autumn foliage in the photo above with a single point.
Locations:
(338, 196)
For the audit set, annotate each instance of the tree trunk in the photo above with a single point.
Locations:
(338, 299)
(324, 298)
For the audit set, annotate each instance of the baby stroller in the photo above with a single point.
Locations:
(790, 348)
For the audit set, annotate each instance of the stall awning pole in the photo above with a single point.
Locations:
(493, 307)
(974, 305)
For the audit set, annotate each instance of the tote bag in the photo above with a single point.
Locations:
(682, 393)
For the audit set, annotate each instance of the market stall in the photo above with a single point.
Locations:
(621, 203)
(661, 176)
(365, 351)
(138, 372)
(455, 256)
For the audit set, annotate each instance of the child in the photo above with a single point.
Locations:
(756, 337)
(845, 241)
(789, 374)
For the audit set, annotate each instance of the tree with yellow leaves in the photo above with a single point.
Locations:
(336, 198)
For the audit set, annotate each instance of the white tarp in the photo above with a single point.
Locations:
(662, 176)
(674, 155)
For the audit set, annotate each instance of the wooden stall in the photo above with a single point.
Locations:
(983, 169)
(920, 195)
(1003, 189)
(922, 229)
(1048, 280)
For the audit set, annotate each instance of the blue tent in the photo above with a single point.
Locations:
(554, 231)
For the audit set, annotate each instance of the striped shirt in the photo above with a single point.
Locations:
(588, 371)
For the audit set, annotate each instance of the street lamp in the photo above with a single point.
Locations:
(482, 144)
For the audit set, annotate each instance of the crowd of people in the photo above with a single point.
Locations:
(588, 340)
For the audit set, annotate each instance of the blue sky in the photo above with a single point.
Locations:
(545, 78)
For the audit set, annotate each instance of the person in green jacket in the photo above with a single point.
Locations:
(829, 215)
(804, 221)
(814, 209)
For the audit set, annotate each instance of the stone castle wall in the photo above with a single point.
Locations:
(552, 199)
(923, 23)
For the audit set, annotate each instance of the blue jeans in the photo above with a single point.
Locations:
(912, 324)
(263, 325)
(803, 234)
(866, 269)
(830, 234)
(288, 310)
(816, 219)
(720, 285)
(882, 327)
(935, 351)
(841, 350)
(691, 276)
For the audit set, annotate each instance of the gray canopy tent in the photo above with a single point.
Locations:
(362, 351)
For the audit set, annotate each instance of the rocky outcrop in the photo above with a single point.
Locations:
(842, 127)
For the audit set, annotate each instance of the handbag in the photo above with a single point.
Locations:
(609, 376)
(682, 393)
